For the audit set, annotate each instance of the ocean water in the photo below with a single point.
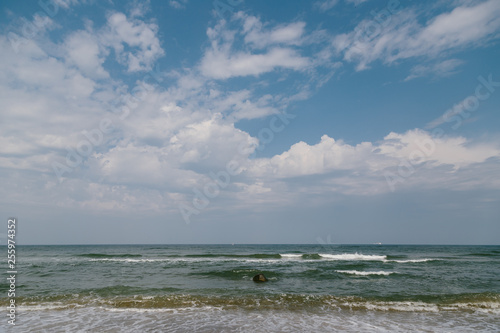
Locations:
(209, 288)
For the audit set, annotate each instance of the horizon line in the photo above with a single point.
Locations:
(234, 244)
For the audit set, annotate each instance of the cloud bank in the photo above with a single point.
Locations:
(73, 135)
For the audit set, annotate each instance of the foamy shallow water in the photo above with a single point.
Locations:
(210, 319)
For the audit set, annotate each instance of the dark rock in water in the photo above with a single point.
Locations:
(259, 278)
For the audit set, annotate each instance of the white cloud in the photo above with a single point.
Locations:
(65, 3)
(164, 147)
(221, 64)
(303, 159)
(161, 149)
(401, 36)
(456, 152)
(178, 4)
(144, 167)
(257, 36)
(325, 5)
(441, 69)
(45, 105)
(239, 105)
(135, 34)
(360, 169)
(139, 8)
(221, 61)
(174, 137)
(84, 50)
(33, 68)
(460, 27)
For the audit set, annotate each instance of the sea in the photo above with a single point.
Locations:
(209, 288)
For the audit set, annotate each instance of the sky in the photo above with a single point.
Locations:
(238, 121)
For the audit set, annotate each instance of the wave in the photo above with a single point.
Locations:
(354, 272)
(107, 255)
(481, 303)
(257, 257)
(132, 260)
(287, 256)
(482, 254)
(354, 257)
(413, 260)
(237, 256)
(291, 256)
(396, 256)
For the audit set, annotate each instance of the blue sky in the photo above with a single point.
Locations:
(231, 121)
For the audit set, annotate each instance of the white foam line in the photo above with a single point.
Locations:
(130, 260)
(42, 307)
(365, 273)
(397, 306)
(353, 256)
(411, 260)
(286, 256)
(291, 256)
(187, 260)
(409, 306)
(174, 310)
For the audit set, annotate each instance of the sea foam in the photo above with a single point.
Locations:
(354, 256)
(291, 256)
(412, 260)
(353, 272)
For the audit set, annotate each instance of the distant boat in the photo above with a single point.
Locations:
(377, 243)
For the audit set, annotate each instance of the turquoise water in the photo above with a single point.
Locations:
(209, 288)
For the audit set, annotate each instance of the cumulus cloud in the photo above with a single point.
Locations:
(419, 147)
(163, 146)
(50, 93)
(361, 169)
(137, 35)
(84, 50)
(303, 159)
(173, 136)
